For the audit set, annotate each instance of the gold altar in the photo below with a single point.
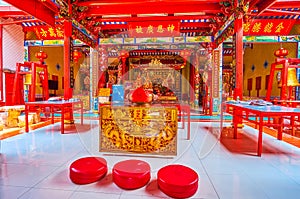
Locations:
(138, 129)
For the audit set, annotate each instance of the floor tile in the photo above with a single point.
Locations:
(10, 192)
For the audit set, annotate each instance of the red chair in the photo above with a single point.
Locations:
(88, 170)
(131, 174)
(177, 181)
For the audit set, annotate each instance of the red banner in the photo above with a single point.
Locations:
(268, 27)
(216, 74)
(49, 33)
(154, 29)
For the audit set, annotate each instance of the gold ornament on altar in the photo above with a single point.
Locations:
(155, 63)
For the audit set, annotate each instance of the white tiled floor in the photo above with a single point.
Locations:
(35, 165)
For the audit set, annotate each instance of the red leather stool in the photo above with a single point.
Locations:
(87, 170)
(177, 181)
(131, 174)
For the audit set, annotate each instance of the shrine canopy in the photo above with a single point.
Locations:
(148, 18)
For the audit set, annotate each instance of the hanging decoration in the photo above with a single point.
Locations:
(123, 54)
(281, 52)
(41, 55)
(76, 56)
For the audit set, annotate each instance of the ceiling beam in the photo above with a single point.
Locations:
(286, 4)
(10, 11)
(282, 12)
(131, 2)
(35, 8)
(265, 4)
(182, 25)
(166, 18)
(253, 3)
(114, 26)
(154, 7)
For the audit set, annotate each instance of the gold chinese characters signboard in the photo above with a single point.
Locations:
(147, 130)
(154, 29)
(268, 27)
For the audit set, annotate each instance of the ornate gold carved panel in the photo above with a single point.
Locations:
(150, 130)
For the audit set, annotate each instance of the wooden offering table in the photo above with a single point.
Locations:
(138, 129)
(59, 106)
(263, 117)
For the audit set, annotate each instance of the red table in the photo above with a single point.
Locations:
(53, 106)
(263, 117)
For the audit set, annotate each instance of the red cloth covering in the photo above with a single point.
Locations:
(140, 95)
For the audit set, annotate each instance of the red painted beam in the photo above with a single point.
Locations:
(286, 4)
(263, 5)
(166, 18)
(114, 26)
(9, 11)
(153, 7)
(282, 12)
(12, 13)
(36, 9)
(19, 21)
(253, 3)
(131, 2)
(194, 25)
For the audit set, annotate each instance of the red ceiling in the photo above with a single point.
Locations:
(95, 14)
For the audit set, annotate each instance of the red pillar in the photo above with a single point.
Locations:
(238, 25)
(1, 62)
(238, 29)
(192, 83)
(68, 91)
(67, 55)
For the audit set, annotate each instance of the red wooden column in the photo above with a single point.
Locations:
(67, 63)
(68, 91)
(1, 63)
(238, 26)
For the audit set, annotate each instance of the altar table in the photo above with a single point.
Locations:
(59, 106)
(263, 117)
(138, 129)
(184, 110)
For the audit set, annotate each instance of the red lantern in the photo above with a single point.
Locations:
(41, 55)
(76, 56)
(281, 52)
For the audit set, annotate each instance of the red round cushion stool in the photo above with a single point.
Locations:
(177, 181)
(131, 174)
(87, 170)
